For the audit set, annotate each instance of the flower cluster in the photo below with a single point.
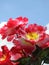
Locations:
(31, 43)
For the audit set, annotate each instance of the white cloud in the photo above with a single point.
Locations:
(47, 25)
(5, 42)
(47, 31)
(2, 24)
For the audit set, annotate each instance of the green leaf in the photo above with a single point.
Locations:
(36, 62)
(37, 51)
(23, 61)
(40, 55)
(46, 60)
(44, 53)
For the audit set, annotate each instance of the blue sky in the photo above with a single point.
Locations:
(36, 10)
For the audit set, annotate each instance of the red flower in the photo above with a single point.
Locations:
(17, 22)
(45, 45)
(16, 53)
(22, 45)
(35, 28)
(34, 35)
(37, 34)
(5, 56)
(12, 26)
(24, 39)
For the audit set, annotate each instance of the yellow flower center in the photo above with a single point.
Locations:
(3, 58)
(32, 36)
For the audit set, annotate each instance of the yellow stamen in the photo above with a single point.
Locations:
(32, 36)
(3, 58)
